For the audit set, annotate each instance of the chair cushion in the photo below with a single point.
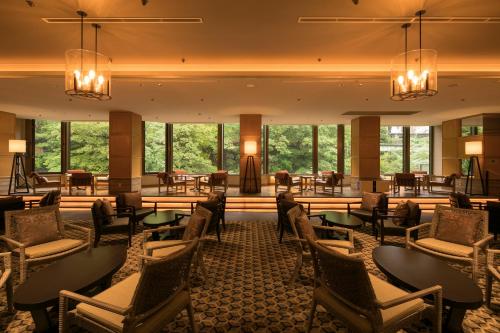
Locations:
(166, 251)
(107, 210)
(156, 244)
(456, 227)
(446, 247)
(34, 229)
(335, 242)
(370, 200)
(53, 247)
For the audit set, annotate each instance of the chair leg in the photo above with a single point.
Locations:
(298, 265)
(282, 230)
(217, 230)
(201, 264)
(97, 237)
(190, 311)
(489, 283)
(311, 315)
(10, 293)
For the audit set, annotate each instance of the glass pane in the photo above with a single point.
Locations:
(231, 154)
(195, 147)
(327, 147)
(89, 146)
(47, 146)
(290, 148)
(154, 147)
(391, 149)
(419, 148)
(347, 149)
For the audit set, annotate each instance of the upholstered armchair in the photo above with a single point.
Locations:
(395, 221)
(38, 182)
(283, 178)
(493, 208)
(364, 302)
(407, 180)
(81, 179)
(39, 235)
(284, 202)
(216, 181)
(131, 204)
(302, 228)
(443, 182)
(371, 205)
(6, 279)
(215, 206)
(454, 234)
(492, 272)
(462, 200)
(330, 180)
(172, 181)
(145, 301)
(107, 221)
(48, 199)
(196, 227)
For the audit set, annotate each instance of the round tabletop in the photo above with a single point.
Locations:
(416, 271)
(341, 219)
(79, 272)
(162, 217)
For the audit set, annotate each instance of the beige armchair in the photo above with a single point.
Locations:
(39, 235)
(143, 302)
(196, 227)
(362, 301)
(6, 279)
(455, 234)
(492, 272)
(302, 227)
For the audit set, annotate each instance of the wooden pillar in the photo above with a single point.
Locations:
(340, 149)
(451, 133)
(315, 149)
(491, 152)
(7, 132)
(125, 151)
(250, 130)
(365, 148)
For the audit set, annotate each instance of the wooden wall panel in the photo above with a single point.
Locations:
(250, 130)
(365, 147)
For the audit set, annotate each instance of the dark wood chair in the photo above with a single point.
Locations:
(172, 181)
(131, 204)
(371, 205)
(406, 180)
(8, 204)
(329, 180)
(216, 181)
(448, 182)
(493, 208)
(82, 179)
(38, 182)
(214, 206)
(221, 196)
(284, 202)
(462, 200)
(393, 223)
(283, 178)
(105, 223)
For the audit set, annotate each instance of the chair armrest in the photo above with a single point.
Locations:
(33, 201)
(161, 246)
(305, 203)
(91, 301)
(352, 203)
(435, 291)
(12, 241)
(483, 242)
(417, 227)
(147, 232)
(84, 230)
(153, 202)
(321, 216)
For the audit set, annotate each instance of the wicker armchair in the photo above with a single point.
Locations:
(143, 302)
(172, 181)
(449, 240)
(81, 179)
(303, 228)
(407, 180)
(106, 222)
(215, 206)
(6, 279)
(283, 178)
(38, 181)
(393, 223)
(441, 181)
(364, 302)
(36, 251)
(216, 181)
(371, 204)
(284, 202)
(329, 179)
(131, 204)
(462, 200)
(492, 272)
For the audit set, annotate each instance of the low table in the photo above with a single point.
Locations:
(161, 218)
(413, 270)
(341, 219)
(80, 273)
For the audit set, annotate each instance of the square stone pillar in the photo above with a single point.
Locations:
(250, 130)
(125, 152)
(365, 149)
(451, 146)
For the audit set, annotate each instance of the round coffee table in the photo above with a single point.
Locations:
(79, 272)
(413, 270)
(161, 218)
(341, 219)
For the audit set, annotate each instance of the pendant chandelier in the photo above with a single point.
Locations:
(414, 73)
(88, 73)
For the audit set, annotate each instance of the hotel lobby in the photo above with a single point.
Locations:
(270, 166)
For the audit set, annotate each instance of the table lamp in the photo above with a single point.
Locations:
(18, 172)
(473, 149)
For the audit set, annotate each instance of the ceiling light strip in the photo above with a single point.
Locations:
(386, 20)
(124, 20)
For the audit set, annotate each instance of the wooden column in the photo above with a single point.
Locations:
(125, 152)
(7, 132)
(340, 149)
(250, 130)
(365, 148)
(451, 133)
(491, 152)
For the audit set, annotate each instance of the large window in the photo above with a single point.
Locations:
(347, 149)
(47, 146)
(195, 147)
(391, 149)
(231, 160)
(419, 148)
(154, 147)
(89, 146)
(327, 147)
(290, 148)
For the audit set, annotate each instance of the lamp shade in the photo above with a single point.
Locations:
(250, 148)
(474, 148)
(17, 146)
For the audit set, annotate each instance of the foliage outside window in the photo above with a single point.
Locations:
(231, 152)
(347, 149)
(290, 148)
(391, 149)
(154, 147)
(47, 146)
(195, 147)
(419, 148)
(327, 147)
(89, 146)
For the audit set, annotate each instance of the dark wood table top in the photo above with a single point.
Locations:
(162, 217)
(416, 271)
(341, 219)
(78, 272)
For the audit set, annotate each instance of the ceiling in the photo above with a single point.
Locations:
(249, 57)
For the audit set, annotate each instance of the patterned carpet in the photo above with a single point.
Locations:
(247, 288)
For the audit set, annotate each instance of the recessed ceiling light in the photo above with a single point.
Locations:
(199, 113)
(299, 99)
(159, 84)
(453, 85)
(250, 85)
(202, 100)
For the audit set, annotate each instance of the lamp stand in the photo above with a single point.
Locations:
(250, 168)
(18, 175)
(470, 175)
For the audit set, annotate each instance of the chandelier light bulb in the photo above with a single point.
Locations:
(91, 74)
(100, 79)
(401, 79)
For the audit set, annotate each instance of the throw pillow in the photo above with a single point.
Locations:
(34, 229)
(402, 211)
(413, 213)
(457, 227)
(107, 210)
(133, 199)
(370, 200)
(304, 227)
(44, 201)
(194, 227)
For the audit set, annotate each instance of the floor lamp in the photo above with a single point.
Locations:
(18, 173)
(250, 149)
(473, 149)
